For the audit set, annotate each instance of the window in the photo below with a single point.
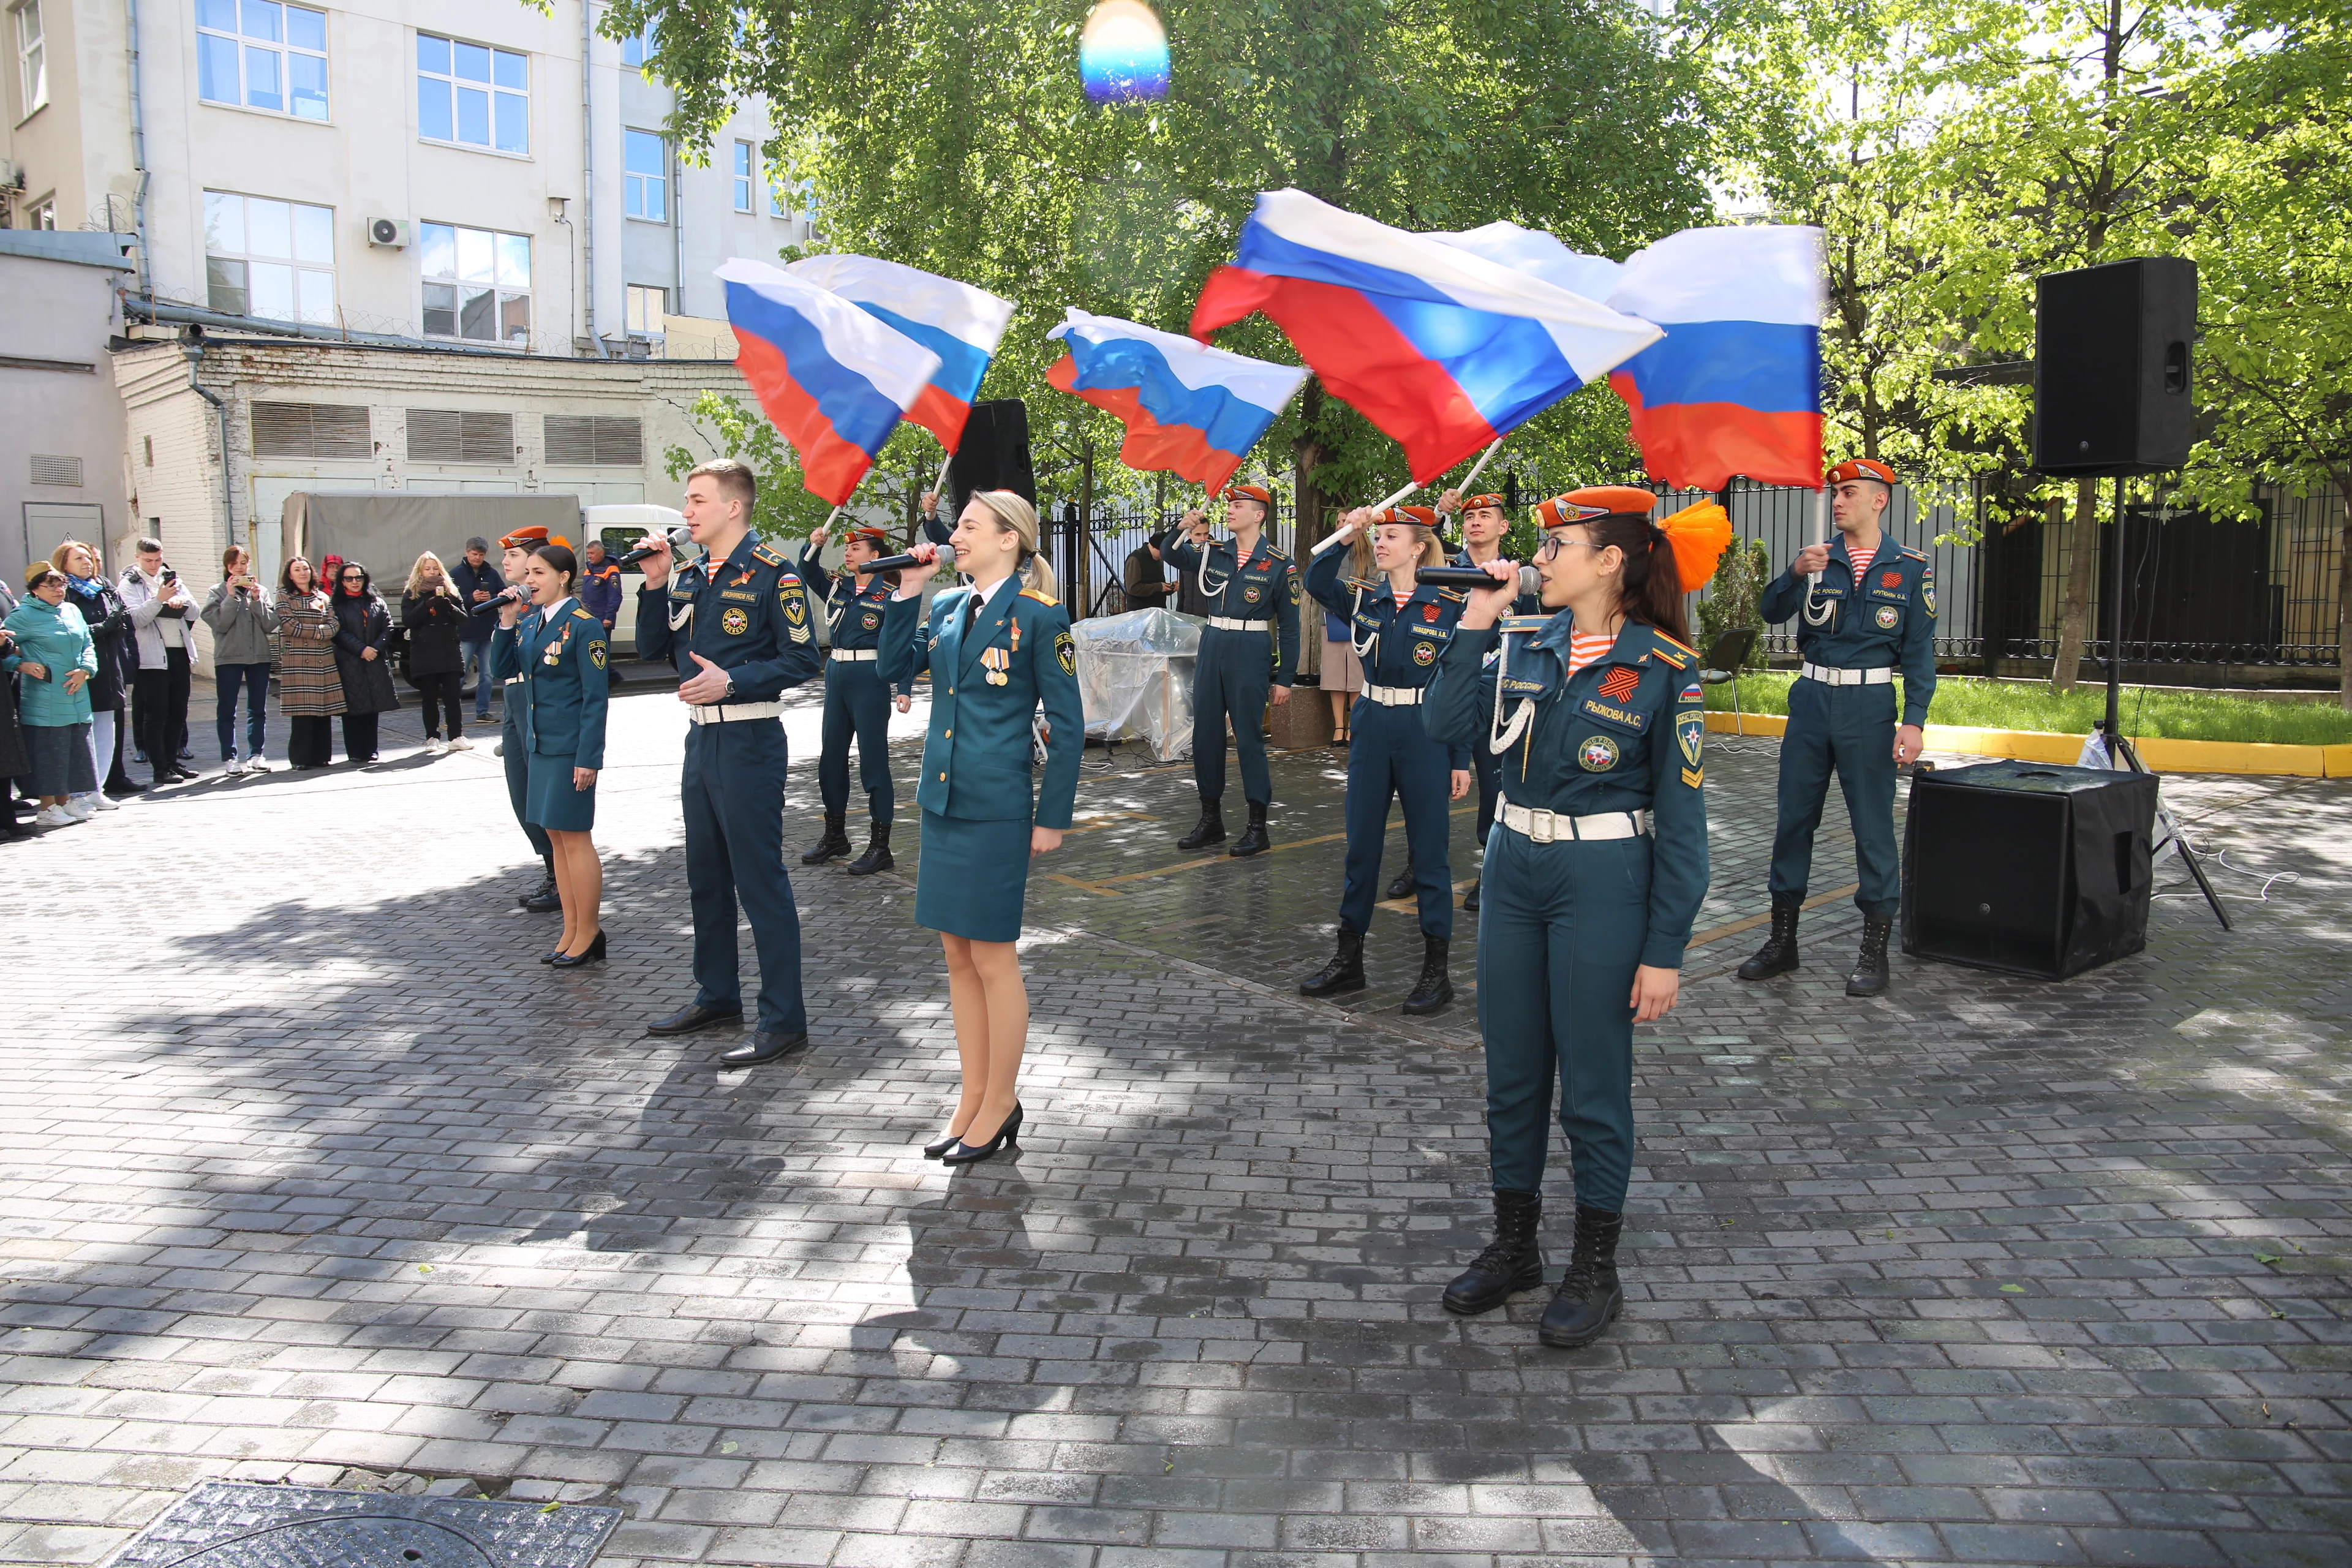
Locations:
(743, 176)
(312, 430)
(460, 436)
(32, 58)
(262, 54)
(777, 205)
(43, 215)
(472, 94)
(271, 259)
(645, 176)
(639, 48)
(477, 284)
(594, 440)
(644, 309)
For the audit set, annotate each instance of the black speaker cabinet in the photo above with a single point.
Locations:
(2111, 367)
(994, 454)
(2027, 867)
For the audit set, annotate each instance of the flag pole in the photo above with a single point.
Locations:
(1475, 469)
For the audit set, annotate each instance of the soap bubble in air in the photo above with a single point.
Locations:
(1123, 53)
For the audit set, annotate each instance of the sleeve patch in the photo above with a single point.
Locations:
(1065, 650)
(1695, 777)
(596, 654)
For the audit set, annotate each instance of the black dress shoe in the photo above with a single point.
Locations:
(1403, 886)
(763, 1047)
(1470, 899)
(593, 954)
(933, 1151)
(694, 1015)
(1007, 1137)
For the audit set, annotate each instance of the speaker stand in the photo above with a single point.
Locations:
(2121, 753)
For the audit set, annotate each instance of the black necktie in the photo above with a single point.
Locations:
(971, 610)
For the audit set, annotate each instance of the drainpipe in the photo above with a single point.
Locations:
(139, 155)
(677, 221)
(588, 178)
(195, 352)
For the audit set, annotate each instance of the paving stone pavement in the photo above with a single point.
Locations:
(308, 1172)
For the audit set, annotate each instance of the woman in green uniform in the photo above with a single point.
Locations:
(1594, 868)
(558, 653)
(997, 652)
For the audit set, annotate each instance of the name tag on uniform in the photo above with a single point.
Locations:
(738, 596)
(1624, 718)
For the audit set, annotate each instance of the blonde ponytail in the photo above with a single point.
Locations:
(1018, 516)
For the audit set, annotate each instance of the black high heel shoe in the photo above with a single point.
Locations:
(595, 954)
(934, 1151)
(1007, 1137)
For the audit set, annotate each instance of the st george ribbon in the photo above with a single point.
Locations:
(1190, 409)
(959, 323)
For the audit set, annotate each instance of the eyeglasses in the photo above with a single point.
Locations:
(355, 577)
(1553, 543)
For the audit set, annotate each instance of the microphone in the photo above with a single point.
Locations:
(511, 595)
(897, 563)
(679, 538)
(1475, 577)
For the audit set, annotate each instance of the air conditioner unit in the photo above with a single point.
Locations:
(388, 232)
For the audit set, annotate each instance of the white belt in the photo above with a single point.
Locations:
(1544, 827)
(511, 680)
(1234, 624)
(857, 655)
(1393, 696)
(733, 713)
(1830, 676)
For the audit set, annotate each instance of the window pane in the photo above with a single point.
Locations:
(776, 205)
(224, 285)
(643, 154)
(314, 234)
(272, 287)
(473, 263)
(437, 253)
(261, 78)
(440, 310)
(478, 315)
(268, 228)
(432, 54)
(743, 158)
(264, 20)
(474, 116)
(514, 262)
(224, 225)
(512, 70)
(513, 122)
(308, 76)
(433, 110)
(216, 69)
(514, 318)
(633, 49)
(221, 14)
(306, 29)
(473, 61)
(315, 297)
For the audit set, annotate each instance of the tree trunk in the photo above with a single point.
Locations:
(1082, 543)
(1306, 457)
(2344, 605)
(2082, 559)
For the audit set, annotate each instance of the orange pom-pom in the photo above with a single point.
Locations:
(1700, 534)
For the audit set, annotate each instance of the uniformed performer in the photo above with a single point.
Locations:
(737, 626)
(856, 700)
(1871, 614)
(998, 651)
(1252, 642)
(1398, 628)
(1598, 861)
(1483, 523)
(514, 755)
(554, 659)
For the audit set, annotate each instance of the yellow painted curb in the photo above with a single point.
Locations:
(2040, 746)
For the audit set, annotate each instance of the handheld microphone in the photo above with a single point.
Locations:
(1475, 577)
(679, 538)
(511, 595)
(897, 563)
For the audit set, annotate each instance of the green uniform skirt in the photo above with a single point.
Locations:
(973, 877)
(549, 800)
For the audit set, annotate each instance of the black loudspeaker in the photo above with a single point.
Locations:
(2027, 867)
(2111, 355)
(994, 454)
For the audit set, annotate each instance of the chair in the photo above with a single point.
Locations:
(1723, 660)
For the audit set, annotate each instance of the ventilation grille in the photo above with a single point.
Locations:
(49, 469)
(451, 436)
(587, 440)
(311, 430)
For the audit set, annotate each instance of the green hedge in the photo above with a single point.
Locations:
(2169, 715)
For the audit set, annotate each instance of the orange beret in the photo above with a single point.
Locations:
(1592, 501)
(1472, 503)
(869, 533)
(1862, 468)
(1419, 516)
(1257, 493)
(523, 539)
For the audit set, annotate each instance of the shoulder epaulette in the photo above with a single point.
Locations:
(1456, 595)
(1913, 554)
(582, 615)
(1360, 584)
(1522, 623)
(1673, 652)
(1273, 555)
(765, 556)
(1043, 598)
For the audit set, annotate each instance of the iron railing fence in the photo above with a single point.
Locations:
(2201, 591)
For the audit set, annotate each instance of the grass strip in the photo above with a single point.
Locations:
(2147, 711)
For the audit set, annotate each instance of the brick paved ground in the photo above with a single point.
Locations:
(331, 1183)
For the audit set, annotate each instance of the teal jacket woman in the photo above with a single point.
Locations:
(56, 638)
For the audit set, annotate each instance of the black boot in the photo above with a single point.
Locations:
(1778, 954)
(1869, 976)
(1512, 1262)
(1403, 887)
(1344, 973)
(1434, 989)
(834, 844)
(543, 899)
(1253, 840)
(1588, 1296)
(877, 852)
(1470, 899)
(1210, 829)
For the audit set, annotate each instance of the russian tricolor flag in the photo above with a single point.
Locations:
(1735, 386)
(959, 323)
(835, 380)
(1192, 410)
(1443, 348)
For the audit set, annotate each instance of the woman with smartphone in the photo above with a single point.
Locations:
(54, 658)
(558, 651)
(437, 621)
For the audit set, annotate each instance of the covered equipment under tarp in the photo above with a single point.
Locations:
(1135, 675)
(389, 528)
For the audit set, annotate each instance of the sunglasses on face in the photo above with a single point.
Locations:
(353, 577)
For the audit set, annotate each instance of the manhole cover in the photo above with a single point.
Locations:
(226, 1524)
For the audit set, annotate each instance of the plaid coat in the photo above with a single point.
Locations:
(308, 685)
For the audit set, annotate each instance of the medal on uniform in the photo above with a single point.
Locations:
(997, 659)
